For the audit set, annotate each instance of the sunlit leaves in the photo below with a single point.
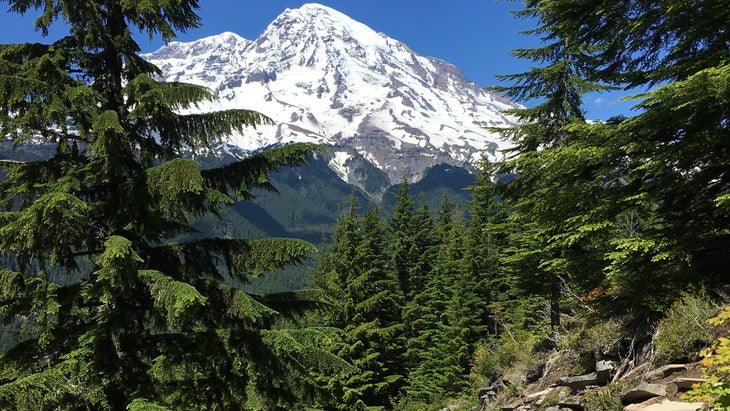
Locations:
(245, 175)
(178, 299)
(177, 186)
(55, 225)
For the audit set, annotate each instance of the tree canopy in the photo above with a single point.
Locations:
(122, 308)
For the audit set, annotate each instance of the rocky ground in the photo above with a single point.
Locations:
(607, 385)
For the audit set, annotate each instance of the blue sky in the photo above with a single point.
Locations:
(474, 35)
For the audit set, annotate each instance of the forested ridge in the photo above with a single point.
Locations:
(588, 234)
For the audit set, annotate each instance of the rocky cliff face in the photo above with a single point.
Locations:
(385, 111)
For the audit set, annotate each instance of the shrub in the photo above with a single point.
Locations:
(413, 404)
(410, 404)
(716, 367)
(684, 330)
(606, 398)
(512, 356)
(591, 334)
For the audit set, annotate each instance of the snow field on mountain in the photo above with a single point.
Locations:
(325, 78)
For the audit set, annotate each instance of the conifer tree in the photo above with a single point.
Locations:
(461, 324)
(485, 241)
(127, 318)
(656, 206)
(449, 309)
(676, 150)
(422, 256)
(549, 153)
(354, 270)
(401, 233)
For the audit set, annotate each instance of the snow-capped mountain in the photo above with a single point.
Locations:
(326, 78)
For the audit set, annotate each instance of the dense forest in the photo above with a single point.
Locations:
(587, 232)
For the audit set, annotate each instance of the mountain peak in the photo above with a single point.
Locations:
(316, 19)
(229, 37)
(323, 77)
(315, 9)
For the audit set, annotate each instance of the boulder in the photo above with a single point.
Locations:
(643, 392)
(487, 396)
(580, 381)
(605, 369)
(536, 396)
(666, 405)
(489, 392)
(571, 403)
(664, 371)
(684, 383)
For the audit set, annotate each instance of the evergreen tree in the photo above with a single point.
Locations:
(422, 250)
(677, 151)
(485, 241)
(657, 203)
(553, 167)
(461, 324)
(125, 317)
(401, 233)
(450, 315)
(354, 270)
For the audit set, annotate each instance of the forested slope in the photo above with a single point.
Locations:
(603, 235)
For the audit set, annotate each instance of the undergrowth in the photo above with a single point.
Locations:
(684, 331)
(606, 398)
(716, 367)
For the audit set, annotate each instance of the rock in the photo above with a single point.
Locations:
(552, 396)
(579, 381)
(487, 396)
(604, 369)
(664, 371)
(684, 383)
(495, 387)
(642, 392)
(537, 395)
(666, 405)
(489, 392)
(571, 404)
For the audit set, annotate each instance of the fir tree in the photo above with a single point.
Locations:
(125, 317)
(548, 154)
(655, 189)
(354, 271)
(401, 233)
(449, 310)
(485, 240)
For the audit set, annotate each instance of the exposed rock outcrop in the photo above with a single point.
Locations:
(642, 388)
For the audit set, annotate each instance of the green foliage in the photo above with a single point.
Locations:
(141, 404)
(592, 334)
(117, 303)
(684, 331)
(511, 355)
(455, 404)
(451, 320)
(353, 269)
(633, 206)
(176, 298)
(716, 368)
(606, 398)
